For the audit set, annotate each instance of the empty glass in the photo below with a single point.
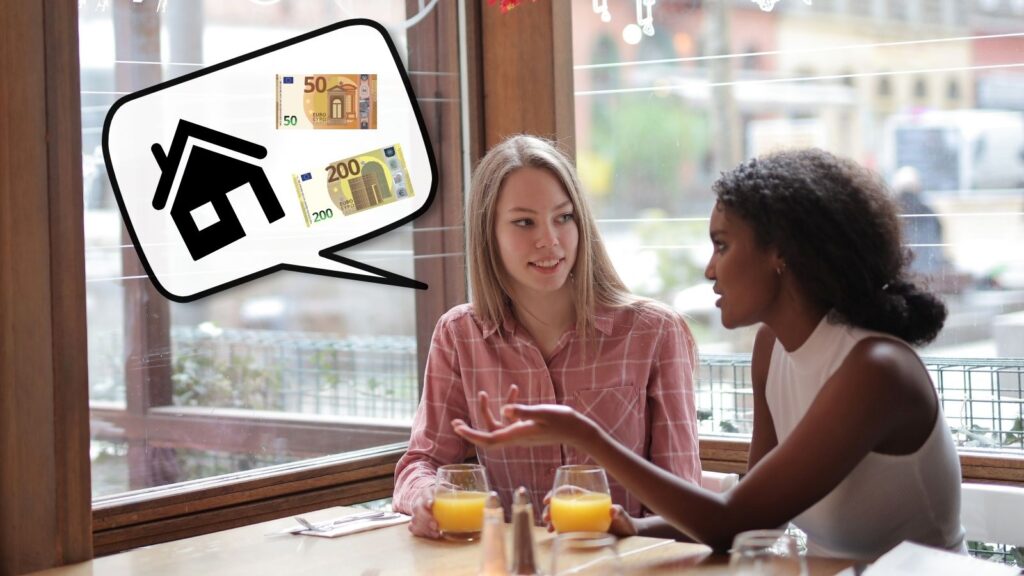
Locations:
(585, 554)
(766, 553)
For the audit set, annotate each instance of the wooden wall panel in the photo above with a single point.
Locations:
(527, 72)
(44, 479)
(28, 476)
(67, 273)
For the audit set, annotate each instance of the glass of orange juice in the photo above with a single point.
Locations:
(460, 493)
(580, 501)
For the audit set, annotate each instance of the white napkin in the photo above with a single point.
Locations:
(355, 526)
(912, 559)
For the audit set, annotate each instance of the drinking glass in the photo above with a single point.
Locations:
(766, 553)
(580, 501)
(585, 554)
(460, 493)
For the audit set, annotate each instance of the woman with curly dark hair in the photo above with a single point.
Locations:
(849, 440)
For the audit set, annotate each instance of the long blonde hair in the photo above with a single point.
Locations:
(594, 280)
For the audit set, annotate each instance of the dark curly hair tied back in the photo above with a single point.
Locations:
(837, 229)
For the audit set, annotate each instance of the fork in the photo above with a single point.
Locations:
(351, 518)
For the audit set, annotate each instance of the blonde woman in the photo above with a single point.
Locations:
(550, 322)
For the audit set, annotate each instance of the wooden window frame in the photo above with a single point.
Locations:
(208, 505)
(730, 455)
(161, 514)
(44, 409)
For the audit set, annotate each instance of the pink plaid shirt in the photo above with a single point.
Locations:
(638, 387)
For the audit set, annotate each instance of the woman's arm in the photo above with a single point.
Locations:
(763, 439)
(854, 412)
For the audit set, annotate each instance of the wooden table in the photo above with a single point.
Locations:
(253, 550)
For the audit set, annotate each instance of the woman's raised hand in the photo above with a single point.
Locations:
(487, 420)
(528, 426)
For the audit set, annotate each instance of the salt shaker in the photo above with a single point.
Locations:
(493, 538)
(523, 558)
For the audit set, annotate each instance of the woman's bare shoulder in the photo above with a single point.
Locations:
(884, 356)
(888, 371)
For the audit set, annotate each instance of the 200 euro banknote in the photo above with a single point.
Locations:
(327, 101)
(354, 184)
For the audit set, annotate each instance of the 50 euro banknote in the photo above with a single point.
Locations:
(327, 101)
(352, 185)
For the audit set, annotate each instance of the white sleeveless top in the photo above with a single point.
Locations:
(885, 499)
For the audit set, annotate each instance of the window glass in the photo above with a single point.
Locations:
(284, 368)
(936, 86)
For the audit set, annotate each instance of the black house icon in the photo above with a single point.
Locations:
(201, 210)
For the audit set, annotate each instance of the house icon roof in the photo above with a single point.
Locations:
(201, 209)
(169, 162)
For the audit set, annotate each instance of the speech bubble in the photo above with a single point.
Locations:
(208, 172)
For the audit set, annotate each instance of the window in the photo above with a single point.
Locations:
(284, 369)
(650, 164)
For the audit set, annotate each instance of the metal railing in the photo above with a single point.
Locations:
(372, 377)
(982, 399)
(376, 377)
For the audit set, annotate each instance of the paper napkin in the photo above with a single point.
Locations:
(355, 526)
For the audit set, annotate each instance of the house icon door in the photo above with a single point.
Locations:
(201, 209)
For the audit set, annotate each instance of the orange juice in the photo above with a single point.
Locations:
(586, 512)
(460, 515)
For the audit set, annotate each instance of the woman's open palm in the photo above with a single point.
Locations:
(542, 424)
